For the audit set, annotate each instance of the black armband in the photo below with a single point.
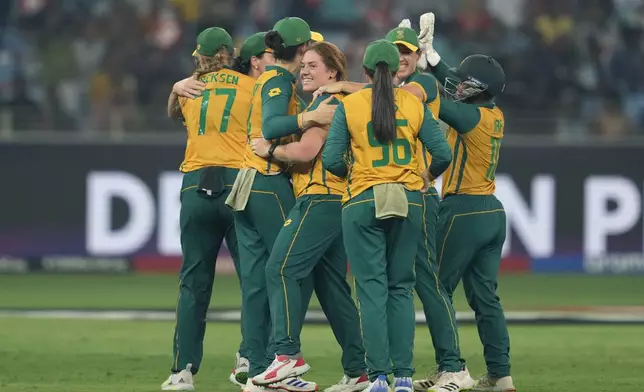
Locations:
(271, 150)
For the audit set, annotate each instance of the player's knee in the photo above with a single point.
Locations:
(483, 303)
(401, 288)
(272, 269)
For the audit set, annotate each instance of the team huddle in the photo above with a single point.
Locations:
(298, 189)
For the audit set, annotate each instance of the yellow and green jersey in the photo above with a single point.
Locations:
(352, 149)
(311, 178)
(431, 97)
(475, 135)
(216, 121)
(475, 155)
(273, 116)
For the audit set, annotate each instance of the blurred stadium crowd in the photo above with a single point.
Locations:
(574, 67)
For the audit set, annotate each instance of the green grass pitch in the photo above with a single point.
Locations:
(517, 292)
(89, 355)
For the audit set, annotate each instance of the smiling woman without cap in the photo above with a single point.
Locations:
(314, 245)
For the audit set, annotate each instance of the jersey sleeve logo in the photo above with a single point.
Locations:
(274, 92)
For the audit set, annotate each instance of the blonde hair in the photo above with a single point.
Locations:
(214, 63)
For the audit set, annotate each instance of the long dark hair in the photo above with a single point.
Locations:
(273, 40)
(241, 66)
(383, 108)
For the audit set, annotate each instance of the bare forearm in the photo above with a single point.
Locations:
(352, 87)
(295, 152)
(307, 120)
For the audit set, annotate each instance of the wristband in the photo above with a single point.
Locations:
(271, 150)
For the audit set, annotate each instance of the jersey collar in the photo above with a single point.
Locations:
(416, 72)
(283, 70)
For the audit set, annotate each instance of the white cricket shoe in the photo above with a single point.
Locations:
(453, 382)
(403, 384)
(295, 384)
(350, 384)
(181, 381)
(424, 384)
(239, 375)
(250, 387)
(379, 385)
(487, 384)
(283, 367)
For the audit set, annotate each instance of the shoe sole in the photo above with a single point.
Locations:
(178, 388)
(462, 389)
(296, 372)
(420, 388)
(352, 388)
(233, 378)
(241, 377)
(292, 390)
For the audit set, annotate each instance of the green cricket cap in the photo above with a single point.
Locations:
(294, 31)
(254, 46)
(403, 36)
(211, 40)
(381, 51)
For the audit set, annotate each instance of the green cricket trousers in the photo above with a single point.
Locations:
(381, 254)
(257, 227)
(205, 221)
(310, 242)
(470, 232)
(437, 306)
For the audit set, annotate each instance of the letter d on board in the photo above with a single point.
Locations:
(101, 239)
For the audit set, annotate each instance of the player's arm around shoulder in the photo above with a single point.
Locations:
(432, 137)
(188, 88)
(337, 142)
(174, 106)
(303, 150)
(442, 71)
(276, 96)
(423, 86)
(462, 117)
(311, 142)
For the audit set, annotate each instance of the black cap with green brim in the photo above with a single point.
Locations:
(253, 46)
(381, 51)
(294, 31)
(210, 41)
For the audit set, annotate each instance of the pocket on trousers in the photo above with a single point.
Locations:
(211, 181)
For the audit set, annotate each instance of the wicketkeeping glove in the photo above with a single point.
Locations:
(405, 23)
(429, 56)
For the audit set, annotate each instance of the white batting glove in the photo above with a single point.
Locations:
(426, 41)
(405, 23)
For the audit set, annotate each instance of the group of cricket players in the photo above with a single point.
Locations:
(304, 192)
